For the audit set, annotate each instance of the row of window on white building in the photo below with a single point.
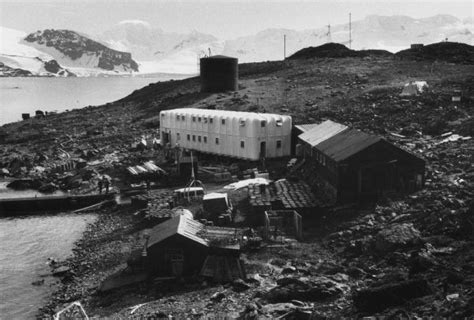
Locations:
(204, 140)
(263, 123)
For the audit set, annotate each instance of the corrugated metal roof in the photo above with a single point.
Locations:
(346, 143)
(322, 132)
(306, 127)
(182, 225)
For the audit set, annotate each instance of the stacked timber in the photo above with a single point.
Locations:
(159, 200)
(156, 203)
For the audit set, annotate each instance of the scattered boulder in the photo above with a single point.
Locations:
(218, 296)
(48, 188)
(303, 289)
(397, 236)
(239, 285)
(38, 282)
(288, 269)
(379, 298)
(61, 271)
(23, 184)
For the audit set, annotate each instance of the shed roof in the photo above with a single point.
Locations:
(305, 127)
(322, 132)
(346, 143)
(182, 225)
(215, 195)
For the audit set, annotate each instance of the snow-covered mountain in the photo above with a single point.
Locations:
(392, 33)
(60, 53)
(20, 59)
(79, 52)
(159, 51)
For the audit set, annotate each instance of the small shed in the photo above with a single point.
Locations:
(215, 203)
(179, 247)
(350, 165)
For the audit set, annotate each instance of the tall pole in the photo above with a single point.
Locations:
(284, 47)
(350, 31)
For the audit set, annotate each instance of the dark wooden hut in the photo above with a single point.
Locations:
(351, 165)
(178, 248)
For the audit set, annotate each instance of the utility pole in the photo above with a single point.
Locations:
(350, 31)
(284, 47)
(328, 35)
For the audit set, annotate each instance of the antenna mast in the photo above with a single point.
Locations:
(284, 47)
(328, 34)
(350, 31)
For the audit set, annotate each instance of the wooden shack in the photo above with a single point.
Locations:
(350, 165)
(179, 247)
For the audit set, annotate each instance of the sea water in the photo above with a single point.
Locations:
(26, 243)
(25, 246)
(26, 95)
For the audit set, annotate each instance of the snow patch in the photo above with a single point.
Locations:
(136, 22)
(11, 44)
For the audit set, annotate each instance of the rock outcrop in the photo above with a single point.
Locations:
(75, 46)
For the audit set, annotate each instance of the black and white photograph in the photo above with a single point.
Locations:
(237, 159)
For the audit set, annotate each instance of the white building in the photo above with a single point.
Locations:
(245, 135)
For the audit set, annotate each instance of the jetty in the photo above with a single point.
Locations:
(38, 205)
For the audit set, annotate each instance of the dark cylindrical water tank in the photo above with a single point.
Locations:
(219, 74)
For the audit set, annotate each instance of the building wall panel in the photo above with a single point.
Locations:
(237, 127)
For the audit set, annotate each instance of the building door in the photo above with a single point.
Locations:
(165, 137)
(263, 149)
(177, 264)
(376, 180)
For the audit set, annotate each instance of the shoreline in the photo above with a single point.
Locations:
(91, 263)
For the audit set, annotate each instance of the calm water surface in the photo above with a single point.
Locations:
(25, 245)
(26, 95)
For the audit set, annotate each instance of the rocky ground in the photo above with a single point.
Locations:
(409, 256)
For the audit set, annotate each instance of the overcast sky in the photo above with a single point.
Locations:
(224, 19)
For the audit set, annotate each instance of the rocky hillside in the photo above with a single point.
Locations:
(6, 71)
(405, 257)
(77, 50)
(442, 51)
(21, 60)
(335, 50)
